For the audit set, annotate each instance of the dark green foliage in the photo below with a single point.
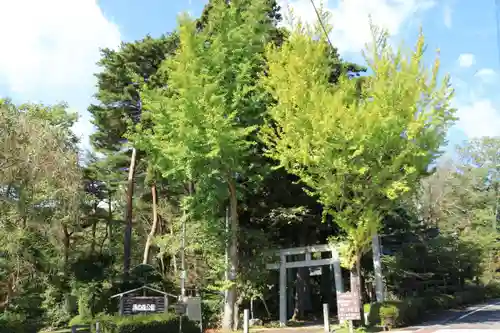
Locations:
(118, 87)
(412, 310)
(160, 323)
(445, 262)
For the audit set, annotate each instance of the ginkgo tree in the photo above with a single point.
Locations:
(362, 143)
(205, 121)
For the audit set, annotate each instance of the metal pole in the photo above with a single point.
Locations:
(326, 319)
(377, 267)
(183, 261)
(226, 254)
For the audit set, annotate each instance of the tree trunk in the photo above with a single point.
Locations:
(230, 301)
(94, 231)
(377, 268)
(149, 240)
(174, 256)
(66, 244)
(127, 243)
(356, 284)
(93, 242)
(303, 294)
(236, 315)
(110, 223)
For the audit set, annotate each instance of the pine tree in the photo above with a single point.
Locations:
(120, 106)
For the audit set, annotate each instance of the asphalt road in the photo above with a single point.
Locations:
(480, 318)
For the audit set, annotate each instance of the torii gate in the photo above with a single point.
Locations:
(308, 262)
(334, 261)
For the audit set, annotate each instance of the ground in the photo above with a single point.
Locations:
(481, 318)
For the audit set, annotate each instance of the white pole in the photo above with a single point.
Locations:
(326, 319)
(245, 320)
(377, 267)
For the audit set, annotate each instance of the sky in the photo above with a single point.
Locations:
(51, 47)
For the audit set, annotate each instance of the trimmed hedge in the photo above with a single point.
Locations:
(158, 323)
(17, 326)
(409, 311)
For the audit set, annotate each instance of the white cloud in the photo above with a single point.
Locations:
(351, 29)
(466, 60)
(486, 74)
(52, 47)
(447, 16)
(479, 118)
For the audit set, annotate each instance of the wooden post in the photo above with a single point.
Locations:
(245, 321)
(121, 306)
(283, 286)
(326, 318)
(351, 326)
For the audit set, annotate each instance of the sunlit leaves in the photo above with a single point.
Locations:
(357, 145)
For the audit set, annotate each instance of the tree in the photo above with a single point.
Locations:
(120, 105)
(39, 199)
(202, 124)
(356, 150)
(461, 199)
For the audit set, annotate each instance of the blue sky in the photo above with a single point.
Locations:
(53, 45)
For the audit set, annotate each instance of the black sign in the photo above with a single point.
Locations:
(180, 308)
(348, 306)
(143, 304)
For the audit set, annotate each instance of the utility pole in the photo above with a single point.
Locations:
(377, 267)
(226, 254)
(183, 259)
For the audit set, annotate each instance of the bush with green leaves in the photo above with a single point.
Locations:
(157, 323)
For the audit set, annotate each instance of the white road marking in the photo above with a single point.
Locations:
(477, 310)
(457, 330)
(450, 330)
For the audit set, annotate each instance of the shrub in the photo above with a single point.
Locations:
(390, 314)
(492, 290)
(13, 323)
(372, 311)
(158, 323)
(79, 320)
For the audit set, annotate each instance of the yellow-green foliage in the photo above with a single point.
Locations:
(362, 143)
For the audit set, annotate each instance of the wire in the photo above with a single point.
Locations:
(497, 14)
(323, 25)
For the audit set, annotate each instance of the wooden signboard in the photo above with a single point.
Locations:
(193, 308)
(143, 304)
(348, 307)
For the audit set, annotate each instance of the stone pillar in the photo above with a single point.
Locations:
(337, 272)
